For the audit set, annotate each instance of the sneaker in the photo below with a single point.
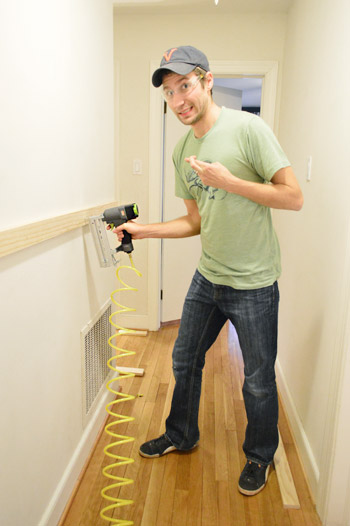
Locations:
(157, 447)
(253, 478)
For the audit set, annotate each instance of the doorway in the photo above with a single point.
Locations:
(268, 72)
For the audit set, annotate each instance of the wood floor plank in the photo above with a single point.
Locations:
(195, 492)
(228, 392)
(183, 471)
(152, 500)
(167, 496)
(221, 464)
(210, 501)
(252, 512)
(224, 512)
(281, 515)
(267, 516)
(297, 518)
(180, 507)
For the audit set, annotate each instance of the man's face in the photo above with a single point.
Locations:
(189, 107)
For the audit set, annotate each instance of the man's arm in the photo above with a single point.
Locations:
(185, 226)
(284, 191)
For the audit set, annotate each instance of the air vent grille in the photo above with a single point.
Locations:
(95, 354)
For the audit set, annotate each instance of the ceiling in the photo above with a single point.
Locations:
(201, 6)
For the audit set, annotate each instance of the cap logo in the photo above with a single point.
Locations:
(167, 56)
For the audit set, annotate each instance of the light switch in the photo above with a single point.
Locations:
(137, 167)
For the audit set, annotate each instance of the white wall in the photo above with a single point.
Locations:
(55, 86)
(231, 98)
(314, 120)
(56, 140)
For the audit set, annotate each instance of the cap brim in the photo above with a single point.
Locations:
(179, 68)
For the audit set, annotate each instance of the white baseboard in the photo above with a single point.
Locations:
(70, 476)
(303, 445)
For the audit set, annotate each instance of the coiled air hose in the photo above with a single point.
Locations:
(117, 481)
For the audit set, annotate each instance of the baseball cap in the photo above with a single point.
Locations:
(181, 60)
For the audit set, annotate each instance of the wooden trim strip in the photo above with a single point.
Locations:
(285, 479)
(19, 238)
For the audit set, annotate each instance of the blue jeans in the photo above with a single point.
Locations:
(254, 315)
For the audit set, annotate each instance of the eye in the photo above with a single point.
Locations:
(186, 86)
(168, 93)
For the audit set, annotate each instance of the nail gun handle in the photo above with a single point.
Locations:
(126, 245)
(127, 238)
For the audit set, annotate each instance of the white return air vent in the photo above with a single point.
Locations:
(95, 354)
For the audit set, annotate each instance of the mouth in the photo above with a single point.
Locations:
(185, 112)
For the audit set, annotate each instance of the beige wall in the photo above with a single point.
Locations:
(314, 120)
(56, 141)
(142, 38)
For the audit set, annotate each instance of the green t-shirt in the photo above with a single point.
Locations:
(239, 245)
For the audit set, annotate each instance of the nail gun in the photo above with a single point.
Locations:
(113, 217)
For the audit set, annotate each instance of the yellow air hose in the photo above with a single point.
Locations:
(118, 419)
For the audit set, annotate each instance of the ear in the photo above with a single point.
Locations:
(210, 80)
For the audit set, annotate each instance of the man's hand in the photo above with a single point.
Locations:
(133, 228)
(211, 174)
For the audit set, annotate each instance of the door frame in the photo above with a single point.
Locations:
(268, 71)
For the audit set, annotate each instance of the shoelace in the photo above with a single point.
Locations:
(160, 439)
(252, 467)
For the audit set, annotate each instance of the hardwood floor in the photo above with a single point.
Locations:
(198, 488)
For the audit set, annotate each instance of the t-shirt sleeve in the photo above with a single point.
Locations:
(263, 149)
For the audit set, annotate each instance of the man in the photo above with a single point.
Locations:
(230, 170)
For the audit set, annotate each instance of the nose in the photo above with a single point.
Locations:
(177, 100)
